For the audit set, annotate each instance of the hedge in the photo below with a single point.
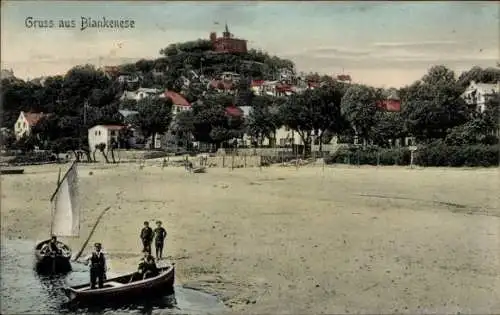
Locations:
(434, 154)
(371, 155)
(439, 154)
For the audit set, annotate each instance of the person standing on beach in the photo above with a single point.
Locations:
(146, 237)
(160, 236)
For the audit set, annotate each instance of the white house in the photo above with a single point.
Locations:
(477, 94)
(103, 134)
(139, 94)
(25, 122)
(128, 79)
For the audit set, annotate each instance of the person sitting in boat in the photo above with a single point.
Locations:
(147, 266)
(97, 266)
(52, 247)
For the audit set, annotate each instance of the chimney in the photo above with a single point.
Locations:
(213, 36)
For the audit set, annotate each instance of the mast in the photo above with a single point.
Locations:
(57, 186)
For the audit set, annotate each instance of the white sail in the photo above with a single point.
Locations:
(65, 208)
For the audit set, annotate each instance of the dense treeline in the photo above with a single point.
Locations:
(433, 110)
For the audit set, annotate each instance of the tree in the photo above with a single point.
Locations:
(212, 122)
(491, 115)
(128, 104)
(327, 102)
(154, 117)
(300, 113)
(480, 75)
(388, 127)
(184, 126)
(433, 105)
(263, 120)
(359, 107)
(102, 147)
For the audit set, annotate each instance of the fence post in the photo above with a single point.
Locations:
(223, 161)
(245, 160)
(378, 158)
(232, 161)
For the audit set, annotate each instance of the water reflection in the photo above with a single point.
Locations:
(23, 291)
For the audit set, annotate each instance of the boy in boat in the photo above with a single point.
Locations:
(160, 236)
(147, 266)
(146, 237)
(97, 266)
(51, 247)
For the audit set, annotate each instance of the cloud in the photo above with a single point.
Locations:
(326, 52)
(420, 44)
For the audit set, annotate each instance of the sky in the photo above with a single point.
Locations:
(384, 44)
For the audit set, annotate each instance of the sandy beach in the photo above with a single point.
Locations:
(282, 240)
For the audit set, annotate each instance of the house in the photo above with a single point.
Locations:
(111, 72)
(128, 79)
(227, 43)
(392, 103)
(139, 94)
(345, 78)
(103, 134)
(477, 94)
(7, 74)
(230, 76)
(180, 104)
(286, 74)
(25, 122)
(222, 86)
(127, 114)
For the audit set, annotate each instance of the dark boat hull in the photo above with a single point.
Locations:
(17, 171)
(47, 264)
(119, 289)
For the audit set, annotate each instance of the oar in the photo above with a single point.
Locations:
(90, 235)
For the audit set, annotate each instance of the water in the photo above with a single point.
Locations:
(25, 292)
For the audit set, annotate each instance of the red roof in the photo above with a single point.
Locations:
(344, 77)
(390, 105)
(222, 85)
(33, 118)
(234, 111)
(284, 88)
(257, 83)
(177, 99)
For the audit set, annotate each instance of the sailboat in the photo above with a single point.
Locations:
(65, 222)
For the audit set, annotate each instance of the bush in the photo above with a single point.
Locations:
(440, 154)
(371, 155)
(433, 154)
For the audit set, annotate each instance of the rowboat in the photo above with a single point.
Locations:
(47, 263)
(65, 221)
(125, 288)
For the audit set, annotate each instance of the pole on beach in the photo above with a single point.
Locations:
(91, 233)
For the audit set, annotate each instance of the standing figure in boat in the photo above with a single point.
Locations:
(97, 266)
(147, 266)
(160, 236)
(146, 237)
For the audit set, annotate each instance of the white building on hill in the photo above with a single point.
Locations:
(477, 94)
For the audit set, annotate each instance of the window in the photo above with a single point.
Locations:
(95, 133)
(113, 132)
(99, 132)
